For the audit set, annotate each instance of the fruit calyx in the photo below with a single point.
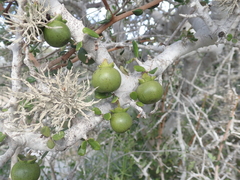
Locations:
(119, 110)
(59, 18)
(145, 78)
(105, 64)
(27, 159)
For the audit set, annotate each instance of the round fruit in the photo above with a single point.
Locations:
(149, 92)
(58, 34)
(107, 79)
(120, 122)
(25, 171)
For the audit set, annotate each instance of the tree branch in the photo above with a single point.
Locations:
(126, 14)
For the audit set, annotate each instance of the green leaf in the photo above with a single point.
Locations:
(50, 144)
(114, 7)
(108, 15)
(140, 104)
(154, 6)
(229, 37)
(107, 116)
(133, 95)
(234, 41)
(83, 58)
(211, 156)
(135, 49)
(124, 70)
(82, 149)
(69, 65)
(94, 144)
(104, 21)
(31, 79)
(58, 136)
(137, 12)
(99, 95)
(130, 61)
(2, 136)
(139, 68)
(153, 71)
(28, 106)
(90, 32)
(121, 53)
(97, 111)
(114, 99)
(79, 45)
(180, 1)
(45, 130)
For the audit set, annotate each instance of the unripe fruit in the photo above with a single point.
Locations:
(120, 122)
(56, 33)
(149, 92)
(106, 78)
(25, 171)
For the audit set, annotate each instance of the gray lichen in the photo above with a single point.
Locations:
(53, 101)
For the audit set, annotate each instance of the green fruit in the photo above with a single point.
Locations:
(58, 34)
(25, 171)
(106, 78)
(149, 92)
(82, 57)
(120, 122)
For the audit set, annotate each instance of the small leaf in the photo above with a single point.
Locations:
(229, 37)
(45, 130)
(94, 144)
(31, 79)
(139, 68)
(50, 144)
(180, 1)
(72, 43)
(124, 71)
(79, 45)
(153, 71)
(130, 61)
(138, 12)
(108, 15)
(104, 21)
(140, 104)
(135, 49)
(28, 106)
(69, 65)
(107, 116)
(58, 135)
(115, 99)
(133, 95)
(234, 41)
(211, 156)
(121, 53)
(90, 32)
(99, 95)
(82, 55)
(82, 149)
(154, 6)
(157, 170)
(97, 111)
(2, 136)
